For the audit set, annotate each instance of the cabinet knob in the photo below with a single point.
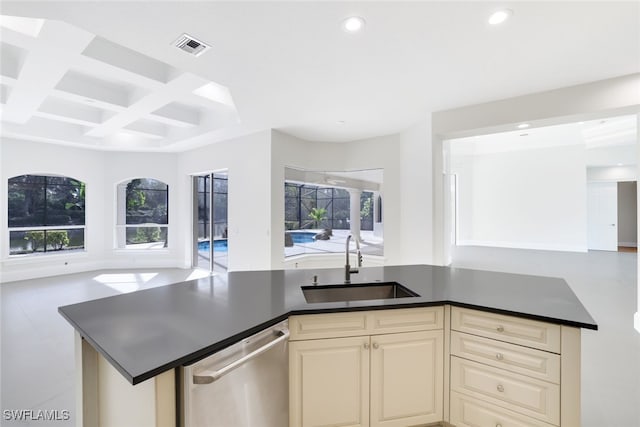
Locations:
(375, 345)
(366, 346)
(500, 328)
(500, 388)
(499, 356)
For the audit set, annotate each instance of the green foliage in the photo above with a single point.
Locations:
(57, 239)
(147, 235)
(136, 198)
(147, 201)
(39, 200)
(318, 215)
(290, 225)
(366, 209)
(36, 238)
(78, 195)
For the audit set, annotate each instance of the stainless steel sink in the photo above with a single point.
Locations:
(356, 292)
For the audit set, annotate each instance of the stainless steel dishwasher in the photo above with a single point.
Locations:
(245, 385)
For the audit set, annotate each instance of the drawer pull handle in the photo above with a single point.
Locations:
(498, 425)
(500, 328)
(366, 346)
(499, 356)
(500, 388)
(375, 345)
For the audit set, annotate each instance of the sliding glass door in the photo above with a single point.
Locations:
(210, 232)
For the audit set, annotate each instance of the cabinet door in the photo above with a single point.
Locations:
(329, 382)
(406, 378)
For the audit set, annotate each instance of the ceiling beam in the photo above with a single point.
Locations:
(53, 51)
(148, 104)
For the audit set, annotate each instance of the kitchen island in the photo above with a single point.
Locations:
(146, 335)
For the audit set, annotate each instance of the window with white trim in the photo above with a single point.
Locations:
(143, 214)
(46, 214)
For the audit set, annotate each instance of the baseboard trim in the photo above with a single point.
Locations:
(522, 245)
(628, 244)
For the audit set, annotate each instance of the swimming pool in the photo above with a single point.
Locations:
(218, 245)
(302, 237)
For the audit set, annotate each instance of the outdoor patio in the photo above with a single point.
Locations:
(369, 244)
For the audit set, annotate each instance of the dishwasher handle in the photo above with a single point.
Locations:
(211, 376)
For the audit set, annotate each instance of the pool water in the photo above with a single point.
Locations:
(303, 237)
(218, 245)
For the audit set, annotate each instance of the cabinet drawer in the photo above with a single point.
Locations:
(525, 395)
(330, 325)
(360, 323)
(406, 320)
(470, 412)
(530, 333)
(523, 360)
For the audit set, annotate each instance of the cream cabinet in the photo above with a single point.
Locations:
(329, 382)
(390, 373)
(419, 366)
(406, 378)
(508, 371)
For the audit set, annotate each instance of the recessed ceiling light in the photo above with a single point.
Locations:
(523, 125)
(353, 24)
(580, 123)
(500, 16)
(619, 164)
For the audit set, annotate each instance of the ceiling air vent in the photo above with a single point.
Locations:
(190, 45)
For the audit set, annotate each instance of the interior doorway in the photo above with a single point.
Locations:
(602, 216)
(210, 231)
(627, 216)
(612, 216)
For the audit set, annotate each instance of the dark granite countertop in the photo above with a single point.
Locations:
(148, 332)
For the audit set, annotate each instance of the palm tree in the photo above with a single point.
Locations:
(318, 215)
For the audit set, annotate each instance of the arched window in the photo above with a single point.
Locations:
(143, 214)
(46, 214)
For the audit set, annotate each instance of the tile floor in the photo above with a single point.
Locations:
(36, 343)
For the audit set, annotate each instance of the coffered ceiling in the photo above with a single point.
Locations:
(106, 74)
(66, 85)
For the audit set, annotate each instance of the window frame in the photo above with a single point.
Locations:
(121, 226)
(46, 228)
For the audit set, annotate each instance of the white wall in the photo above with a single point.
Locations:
(605, 156)
(416, 192)
(627, 214)
(101, 171)
(605, 98)
(323, 156)
(534, 198)
(406, 191)
(120, 167)
(21, 158)
(612, 173)
(255, 166)
(247, 160)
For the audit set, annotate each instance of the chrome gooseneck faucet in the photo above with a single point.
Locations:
(347, 268)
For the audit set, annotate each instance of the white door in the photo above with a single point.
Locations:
(602, 216)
